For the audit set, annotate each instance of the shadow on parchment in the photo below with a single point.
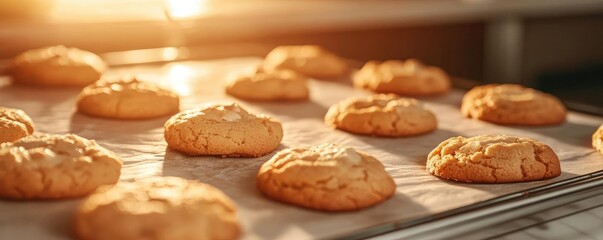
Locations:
(45, 97)
(579, 156)
(88, 126)
(221, 172)
(414, 148)
(506, 188)
(295, 110)
(35, 219)
(576, 134)
(450, 98)
(398, 208)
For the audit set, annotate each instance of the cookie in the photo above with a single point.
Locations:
(157, 208)
(326, 177)
(57, 66)
(511, 104)
(45, 166)
(225, 130)
(278, 85)
(598, 139)
(493, 159)
(309, 60)
(127, 98)
(410, 78)
(384, 115)
(14, 124)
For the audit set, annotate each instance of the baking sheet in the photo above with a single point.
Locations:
(141, 146)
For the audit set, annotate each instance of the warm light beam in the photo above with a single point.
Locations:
(179, 9)
(179, 77)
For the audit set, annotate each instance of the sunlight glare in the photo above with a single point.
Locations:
(179, 77)
(187, 8)
(169, 53)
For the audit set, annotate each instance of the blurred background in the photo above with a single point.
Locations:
(553, 45)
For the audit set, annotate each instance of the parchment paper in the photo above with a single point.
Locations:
(141, 146)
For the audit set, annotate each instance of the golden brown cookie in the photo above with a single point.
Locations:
(383, 115)
(493, 159)
(159, 208)
(57, 66)
(277, 85)
(410, 78)
(309, 60)
(225, 130)
(14, 124)
(598, 139)
(127, 98)
(512, 104)
(45, 166)
(326, 177)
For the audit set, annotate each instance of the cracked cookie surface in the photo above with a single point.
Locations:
(14, 124)
(159, 208)
(45, 166)
(57, 66)
(410, 78)
(326, 177)
(309, 60)
(493, 159)
(512, 104)
(269, 86)
(598, 139)
(223, 130)
(383, 115)
(127, 98)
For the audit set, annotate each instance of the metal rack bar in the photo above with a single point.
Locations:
(480, 214)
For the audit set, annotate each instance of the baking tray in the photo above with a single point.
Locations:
(419, 196)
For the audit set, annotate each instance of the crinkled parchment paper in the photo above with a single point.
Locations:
(141, 146)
